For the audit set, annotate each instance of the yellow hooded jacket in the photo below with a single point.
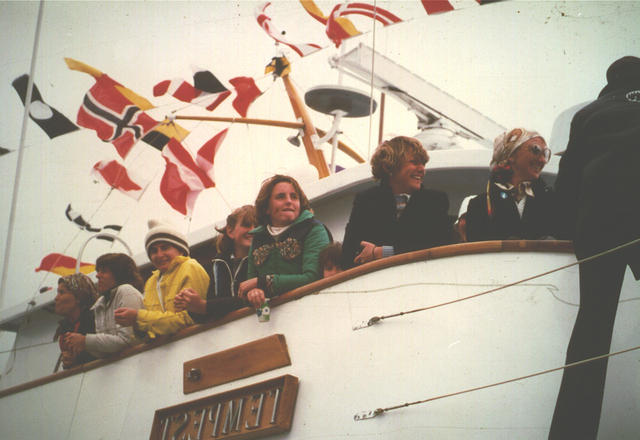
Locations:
(161, 318)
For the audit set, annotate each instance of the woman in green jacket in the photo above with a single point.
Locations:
(286, 245)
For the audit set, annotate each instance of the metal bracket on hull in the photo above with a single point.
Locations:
(369, 323)
(367, 414)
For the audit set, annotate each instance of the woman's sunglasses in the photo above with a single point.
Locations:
(540, 151)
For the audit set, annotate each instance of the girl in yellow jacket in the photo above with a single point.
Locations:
(175, 270)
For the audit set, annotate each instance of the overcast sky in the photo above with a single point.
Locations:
(519, 62)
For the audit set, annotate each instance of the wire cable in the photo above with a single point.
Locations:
(378, 411)
(376, 319)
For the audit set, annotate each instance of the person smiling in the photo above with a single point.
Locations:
(399, 215)
(228, 269)
(286, 245)
(119, 285)
(517, 204)
(169, 253)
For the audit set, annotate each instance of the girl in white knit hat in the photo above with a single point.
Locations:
(168, 251)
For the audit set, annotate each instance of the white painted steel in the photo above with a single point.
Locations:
(506, 334)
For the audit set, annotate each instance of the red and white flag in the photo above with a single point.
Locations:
(206, 92)
(183, 179)
(382, 15)
(439, 6)
(116, 176)
(206, 153)
(246, 93)
(265, 22)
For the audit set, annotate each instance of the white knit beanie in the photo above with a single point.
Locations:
(160, 231)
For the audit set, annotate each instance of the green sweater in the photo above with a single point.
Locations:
(291, 258)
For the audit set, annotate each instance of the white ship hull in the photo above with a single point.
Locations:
(502, 335)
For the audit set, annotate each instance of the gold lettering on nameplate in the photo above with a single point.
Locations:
(254, 411)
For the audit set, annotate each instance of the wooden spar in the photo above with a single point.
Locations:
(382, 96)
(269, 122)
(272, 123)
(316, 157)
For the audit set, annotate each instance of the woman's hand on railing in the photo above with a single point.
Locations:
(256, 297)
(246, 286)
(75, 342)
(369, 252)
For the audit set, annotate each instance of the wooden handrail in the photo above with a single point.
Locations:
(396, 260)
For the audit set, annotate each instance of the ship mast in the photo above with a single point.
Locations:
(306, 127)
(16, 185)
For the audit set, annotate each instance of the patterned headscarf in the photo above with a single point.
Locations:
(507, 143)
(82, 288)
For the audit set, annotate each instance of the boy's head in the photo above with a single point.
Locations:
(164, 242)
(330, 259)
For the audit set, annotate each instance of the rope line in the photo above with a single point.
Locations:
(376, 319)
(399, 286)
(503, 382)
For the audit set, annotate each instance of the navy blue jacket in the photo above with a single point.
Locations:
(537, 222)
(423, 224)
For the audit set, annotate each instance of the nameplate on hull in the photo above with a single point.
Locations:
(250, 412)
(235, 363)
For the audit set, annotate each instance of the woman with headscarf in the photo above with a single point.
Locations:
(286, 245)
(119, 285)
(76, 294)
(517, 204)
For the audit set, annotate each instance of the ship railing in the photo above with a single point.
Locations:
(483, 247)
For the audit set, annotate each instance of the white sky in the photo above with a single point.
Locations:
(519, 62)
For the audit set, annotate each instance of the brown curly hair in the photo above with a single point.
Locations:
(246, 215)
(81, 287)
(262, 201)
(389, 156)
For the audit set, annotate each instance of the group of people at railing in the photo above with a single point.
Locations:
(278, 245)
(263, 251)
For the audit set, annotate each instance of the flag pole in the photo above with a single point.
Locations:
(273, 123)
(268, 122)
(16, 185)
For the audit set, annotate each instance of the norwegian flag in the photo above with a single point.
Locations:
(183, 178)
(264, 21)
(115, 118)
(116, 176)
(206, 92)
